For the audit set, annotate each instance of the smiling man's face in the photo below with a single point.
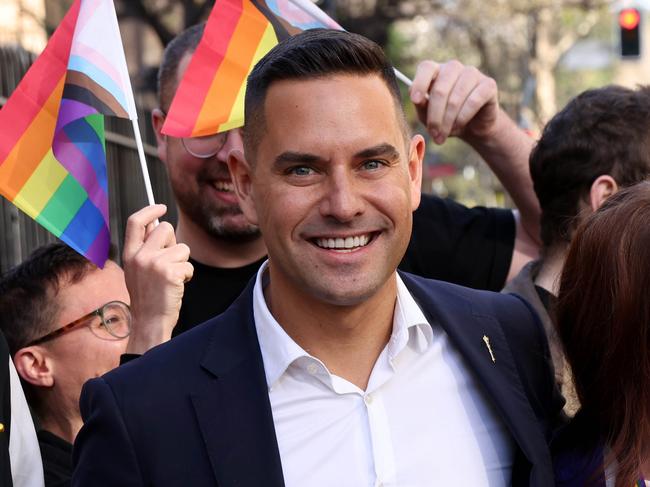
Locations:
(333, 185)
(202, 187)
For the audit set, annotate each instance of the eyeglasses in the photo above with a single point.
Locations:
(110, 322)
(205, 146)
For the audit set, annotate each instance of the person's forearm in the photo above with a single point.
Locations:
(506, 150)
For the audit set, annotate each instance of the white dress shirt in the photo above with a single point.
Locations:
(24, 452)
(422, 421)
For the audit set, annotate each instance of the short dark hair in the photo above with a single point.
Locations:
(603, 320)
(28, 303)
(313, 54)
(183, 43)
(603, 131)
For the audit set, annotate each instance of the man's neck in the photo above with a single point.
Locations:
(217, 252)
(347, 339)
(550, 270)
(64, 426)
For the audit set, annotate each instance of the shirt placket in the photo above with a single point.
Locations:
(380, 439)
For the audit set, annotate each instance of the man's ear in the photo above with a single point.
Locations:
(158, 120)
(34, 365)
(416, 157)
(602, 188)
(241, 174)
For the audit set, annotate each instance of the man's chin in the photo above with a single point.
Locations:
(236, 231)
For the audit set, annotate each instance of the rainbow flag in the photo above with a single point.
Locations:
(52, 146)
(210, 97)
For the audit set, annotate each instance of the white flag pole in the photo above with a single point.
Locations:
(118, 51)
(143, 162)
(311, 9)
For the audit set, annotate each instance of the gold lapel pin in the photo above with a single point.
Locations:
(486, 339)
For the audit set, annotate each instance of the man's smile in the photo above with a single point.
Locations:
(344, 243)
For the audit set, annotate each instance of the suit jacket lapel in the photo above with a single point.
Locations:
(234, 412)
(500, 377)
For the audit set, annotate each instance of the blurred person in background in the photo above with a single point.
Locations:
(478, 247)
(68, 321)
(603, 319)
(599, 143)
(20, 457)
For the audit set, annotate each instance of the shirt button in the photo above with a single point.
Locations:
(312, 369)
(368, 400)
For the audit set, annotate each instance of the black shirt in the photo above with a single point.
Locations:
(210, 291)
(471, 247)
(57, 459)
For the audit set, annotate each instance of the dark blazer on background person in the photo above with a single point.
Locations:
(196, 411)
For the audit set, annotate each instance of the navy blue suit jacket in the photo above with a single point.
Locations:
(196, 412)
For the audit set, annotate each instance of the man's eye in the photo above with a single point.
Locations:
(372, 165)
(301, 171)
(111, 320)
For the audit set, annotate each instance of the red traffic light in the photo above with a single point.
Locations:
(629, 18)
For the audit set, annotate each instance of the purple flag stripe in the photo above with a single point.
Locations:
(70, 157)
(98, 251)
(71, 110)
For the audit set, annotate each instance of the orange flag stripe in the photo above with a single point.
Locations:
(32, 146)
(236, 117)
(228, 80)
(36, 87)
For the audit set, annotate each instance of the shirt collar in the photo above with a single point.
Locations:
(279, 350)
(410, 326)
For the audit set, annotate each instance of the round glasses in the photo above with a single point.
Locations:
(205, 146)
(110, 322)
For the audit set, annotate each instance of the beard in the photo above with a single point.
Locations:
(218, 219)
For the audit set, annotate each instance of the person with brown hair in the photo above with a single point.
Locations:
(67, 321)
(596, 145)
(603, 319)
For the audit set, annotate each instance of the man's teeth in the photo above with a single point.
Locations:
(347, 243)
(224, 186)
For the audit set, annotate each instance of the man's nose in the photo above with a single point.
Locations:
(343, 199)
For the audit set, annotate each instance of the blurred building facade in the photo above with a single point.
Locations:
(22, 22)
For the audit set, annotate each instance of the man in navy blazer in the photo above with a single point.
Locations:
(332, 368)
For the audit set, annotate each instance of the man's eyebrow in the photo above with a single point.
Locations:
(385, 150)
(291, 157)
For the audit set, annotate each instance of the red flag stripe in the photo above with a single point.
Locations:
(37, 85)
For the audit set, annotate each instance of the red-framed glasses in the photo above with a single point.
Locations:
(110, 322)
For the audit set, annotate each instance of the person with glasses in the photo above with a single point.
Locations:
(477, 247)
(67, 321)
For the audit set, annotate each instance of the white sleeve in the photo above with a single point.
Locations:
(24, 452)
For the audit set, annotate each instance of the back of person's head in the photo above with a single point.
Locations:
(603, 320)
(28, 304)
(182, 44)
(602, 131)
(313, 54)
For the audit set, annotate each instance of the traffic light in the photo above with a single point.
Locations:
(629, 21)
